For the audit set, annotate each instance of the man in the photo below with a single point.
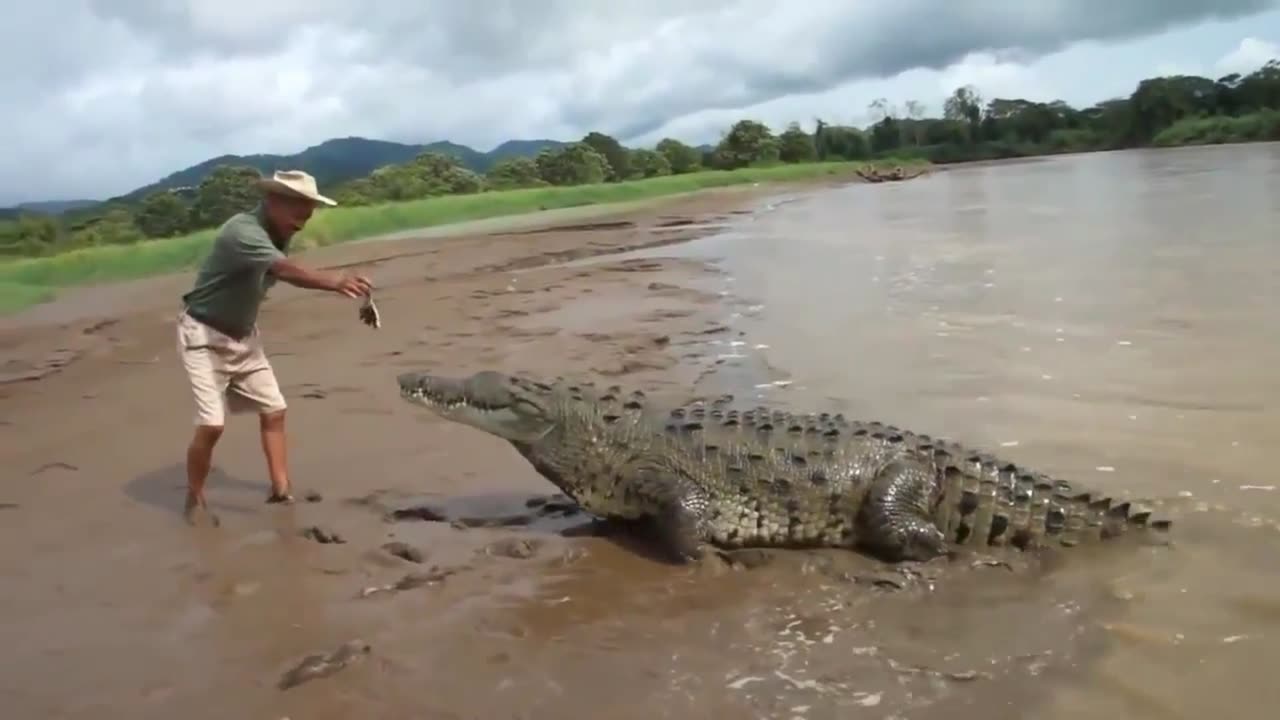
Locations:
(218, 338)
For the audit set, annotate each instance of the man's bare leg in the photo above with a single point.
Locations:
(199, 459)
(275, 449)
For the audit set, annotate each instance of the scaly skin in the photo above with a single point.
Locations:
(734, 478)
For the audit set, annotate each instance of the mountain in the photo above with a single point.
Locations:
(336, 161)
(331, 162)
(53, 207)
(45, 207)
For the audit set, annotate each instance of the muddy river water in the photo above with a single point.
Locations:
(1110, 318)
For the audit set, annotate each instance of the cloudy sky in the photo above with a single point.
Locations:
(103, 96)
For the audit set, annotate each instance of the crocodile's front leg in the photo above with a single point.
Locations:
(677, 510)
(895, 522)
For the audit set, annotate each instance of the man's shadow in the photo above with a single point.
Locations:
(166, 489)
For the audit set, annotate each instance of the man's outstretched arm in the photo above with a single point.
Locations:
(353, 286)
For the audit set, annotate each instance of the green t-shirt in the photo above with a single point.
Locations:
(235, 277)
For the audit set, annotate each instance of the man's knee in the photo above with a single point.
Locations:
(273, 420)
(206, 436)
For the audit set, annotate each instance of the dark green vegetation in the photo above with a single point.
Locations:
(1161, 112)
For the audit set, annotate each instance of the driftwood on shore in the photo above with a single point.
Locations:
(871, 173)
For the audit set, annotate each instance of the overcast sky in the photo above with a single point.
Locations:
(102, 96)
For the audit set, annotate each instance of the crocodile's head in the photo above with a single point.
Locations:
(518, 410)
(558, 426)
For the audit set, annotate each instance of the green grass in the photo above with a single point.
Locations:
(28, 281)
(15, 296)
(1220, 129)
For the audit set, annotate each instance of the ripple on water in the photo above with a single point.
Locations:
(798, 633)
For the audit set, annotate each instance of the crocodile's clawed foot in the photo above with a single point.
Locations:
(900, 576)
(976, 560)
(882, 581)
(745, 558)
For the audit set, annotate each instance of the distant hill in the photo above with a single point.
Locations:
(47, 207)
(331, 162)
(342, 159)
(54, 207)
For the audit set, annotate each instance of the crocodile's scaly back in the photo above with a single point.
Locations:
(823, 466)
(711, 471)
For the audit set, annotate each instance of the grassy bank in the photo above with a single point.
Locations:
(30, 281)
(1262, 126)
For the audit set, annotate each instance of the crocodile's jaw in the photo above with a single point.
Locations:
(485, 401)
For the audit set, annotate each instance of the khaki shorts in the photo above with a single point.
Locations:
(225, 374)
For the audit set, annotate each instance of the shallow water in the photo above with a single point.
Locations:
(1109, 318)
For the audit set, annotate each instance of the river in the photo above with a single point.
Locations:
(1109, 318)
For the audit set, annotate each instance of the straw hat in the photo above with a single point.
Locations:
(296, 183)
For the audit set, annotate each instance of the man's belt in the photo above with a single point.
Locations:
(206, 320)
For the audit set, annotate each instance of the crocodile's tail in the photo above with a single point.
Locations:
(987, 503)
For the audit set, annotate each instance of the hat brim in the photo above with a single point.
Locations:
(272, 185)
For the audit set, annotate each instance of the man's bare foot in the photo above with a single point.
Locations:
(280, 497)
(196, 507)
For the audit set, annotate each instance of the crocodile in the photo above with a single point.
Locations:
(711, 472)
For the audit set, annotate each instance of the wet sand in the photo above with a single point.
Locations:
(492, 604)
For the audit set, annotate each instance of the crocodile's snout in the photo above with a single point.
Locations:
(426, 386)
(483, 391)
(409, 381)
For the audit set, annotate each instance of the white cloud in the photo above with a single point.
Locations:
(111, 95)
(1251, 54)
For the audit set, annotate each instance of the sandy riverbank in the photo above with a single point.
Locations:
(114, 608)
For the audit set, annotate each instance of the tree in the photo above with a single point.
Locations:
(614, 154)
(915, 115)
(29, 235)
(964, 105)
(227, 190)
(839, 142)
(115, 226)
(574, 164)
(1160, 102)
(885, 135)
(430, 174)
(796, 146)
(646, 163)
(162, 214)
(514, 172)
(878, 109)
(682, 158)
(748, 142)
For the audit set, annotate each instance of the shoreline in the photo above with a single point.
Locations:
(213, 617)
(62, 308)
(28, 282)
(43, 339)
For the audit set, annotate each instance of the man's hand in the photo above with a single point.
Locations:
(354, 286)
